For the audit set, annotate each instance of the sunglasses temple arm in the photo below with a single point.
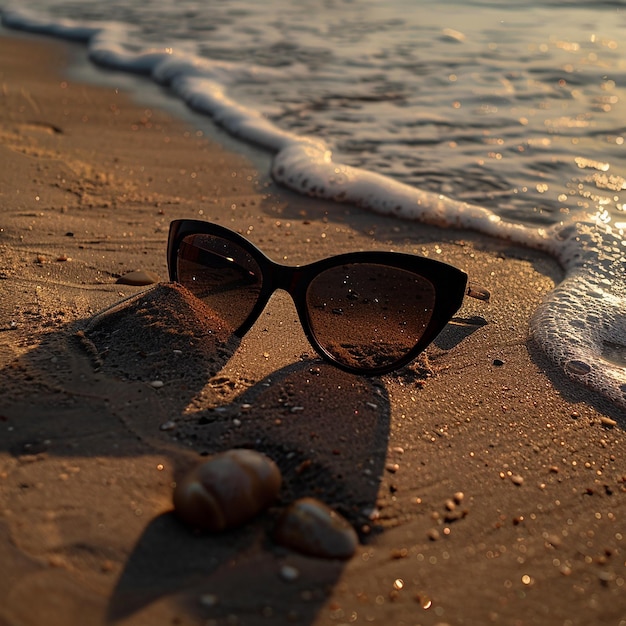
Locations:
(478, 292)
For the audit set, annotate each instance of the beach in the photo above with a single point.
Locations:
(485, 486)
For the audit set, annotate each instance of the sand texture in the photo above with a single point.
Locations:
(484, 486)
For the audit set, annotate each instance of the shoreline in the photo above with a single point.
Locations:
(90, 182)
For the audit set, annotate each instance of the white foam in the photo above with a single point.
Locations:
(22, 19)
(581, 325)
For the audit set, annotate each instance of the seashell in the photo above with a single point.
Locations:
(227, 490)
(310, 527)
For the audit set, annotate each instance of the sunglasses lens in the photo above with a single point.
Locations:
(367, 315)
(221, 274)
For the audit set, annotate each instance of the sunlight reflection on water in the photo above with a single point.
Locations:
(505, 105)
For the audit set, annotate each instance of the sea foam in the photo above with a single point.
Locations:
(581, 324)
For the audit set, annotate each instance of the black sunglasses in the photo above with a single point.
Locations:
(366, 312)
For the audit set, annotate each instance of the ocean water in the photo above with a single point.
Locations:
(504, 118)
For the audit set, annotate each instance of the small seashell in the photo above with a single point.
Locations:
(227, 490)
(310, 527)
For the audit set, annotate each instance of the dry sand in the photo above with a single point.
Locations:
(89, 449)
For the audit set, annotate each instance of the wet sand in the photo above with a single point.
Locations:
(485, 487)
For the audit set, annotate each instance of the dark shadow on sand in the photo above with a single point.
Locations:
(457, 330)
(328, 445)
(89, 390)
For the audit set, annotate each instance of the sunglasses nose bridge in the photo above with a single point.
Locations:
(283, 277)
(292, 280)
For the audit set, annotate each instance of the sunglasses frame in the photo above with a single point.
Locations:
(449, 282)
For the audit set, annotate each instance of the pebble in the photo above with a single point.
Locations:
(425, 602)
(606, 577)
(371, 512)
(399, 553)
(517, 480)
(311, 527)
(169, 425)
(138, 278)
(208, 600)
(453, 516)
(552, 540)
(289, 573)
(157, 384)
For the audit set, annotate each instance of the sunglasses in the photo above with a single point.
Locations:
(365, 312)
